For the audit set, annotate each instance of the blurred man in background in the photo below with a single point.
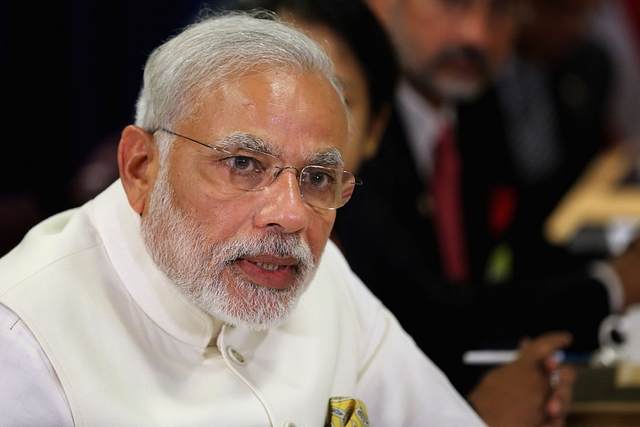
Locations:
(445, 215)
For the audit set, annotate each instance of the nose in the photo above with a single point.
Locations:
(282, 205)
(475, 27)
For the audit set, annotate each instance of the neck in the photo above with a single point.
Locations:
(429, 95)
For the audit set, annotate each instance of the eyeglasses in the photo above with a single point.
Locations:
(246, 169)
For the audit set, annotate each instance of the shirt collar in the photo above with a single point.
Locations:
(422, 122)
(119, 227)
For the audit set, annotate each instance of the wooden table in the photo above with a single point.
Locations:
(600, 195)
(598, 402)
(604, 419)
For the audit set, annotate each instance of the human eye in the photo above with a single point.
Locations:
(320, 179)
(242, 171)
(242, 163)
(243, 160)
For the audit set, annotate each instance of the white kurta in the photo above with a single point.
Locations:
(110, 341)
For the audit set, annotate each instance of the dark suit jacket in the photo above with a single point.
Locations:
(387, 235)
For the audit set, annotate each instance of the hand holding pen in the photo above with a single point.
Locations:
(543, 394)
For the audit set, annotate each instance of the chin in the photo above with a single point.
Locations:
(247, 305)
(462, 90)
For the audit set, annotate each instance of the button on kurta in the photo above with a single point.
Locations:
(289, 424)
(235, 356)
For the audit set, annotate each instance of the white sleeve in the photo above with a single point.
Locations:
(31, 394)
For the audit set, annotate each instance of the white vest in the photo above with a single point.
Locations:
(130, 350)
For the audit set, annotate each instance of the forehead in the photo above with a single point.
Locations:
(297, 114)
(424, 26)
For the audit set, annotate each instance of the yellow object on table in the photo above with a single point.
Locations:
(628, 374)
(598, 197)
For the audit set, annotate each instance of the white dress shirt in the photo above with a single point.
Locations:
(25, 371)
(422, 122)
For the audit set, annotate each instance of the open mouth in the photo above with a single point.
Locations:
(269, 271)
(269, 267)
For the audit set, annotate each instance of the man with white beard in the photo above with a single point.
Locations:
(197, 267)
(199, 288)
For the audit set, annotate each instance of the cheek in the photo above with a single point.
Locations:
(221, 218)
(502, 45)
(425, 27)
(196, 195)
(319, 230)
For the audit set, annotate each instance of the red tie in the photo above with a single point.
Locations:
(448, 215)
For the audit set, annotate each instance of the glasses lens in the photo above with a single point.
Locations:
(349, 182)
(326, 187)
(244, 169)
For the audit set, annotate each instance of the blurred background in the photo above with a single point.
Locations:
(69, 76)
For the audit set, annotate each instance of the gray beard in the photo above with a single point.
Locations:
(450, 90)
(182, 249)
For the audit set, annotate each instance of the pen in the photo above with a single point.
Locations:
(500, 357)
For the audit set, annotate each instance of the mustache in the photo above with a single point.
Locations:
(465, 53)
(282, 245)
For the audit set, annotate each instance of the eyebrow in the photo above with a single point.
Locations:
(330, 157)
(246, 140)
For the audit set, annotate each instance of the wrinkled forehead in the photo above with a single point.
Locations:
(287, 114)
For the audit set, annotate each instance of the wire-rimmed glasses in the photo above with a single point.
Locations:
(246, 169)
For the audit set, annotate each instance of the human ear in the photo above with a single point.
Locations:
(375, 130)
(137, 162)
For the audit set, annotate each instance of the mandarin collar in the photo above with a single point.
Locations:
(156, 295)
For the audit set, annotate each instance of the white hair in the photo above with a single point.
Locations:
(216, 49)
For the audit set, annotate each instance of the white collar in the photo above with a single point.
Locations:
(422, 122)
(119, 227)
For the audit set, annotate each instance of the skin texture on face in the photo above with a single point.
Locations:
(450, 49)
(247, 257)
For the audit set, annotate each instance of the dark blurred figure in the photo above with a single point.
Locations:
(554, 98)
(68, 71)
(552, 29)
(455, 59)
(616, 24)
